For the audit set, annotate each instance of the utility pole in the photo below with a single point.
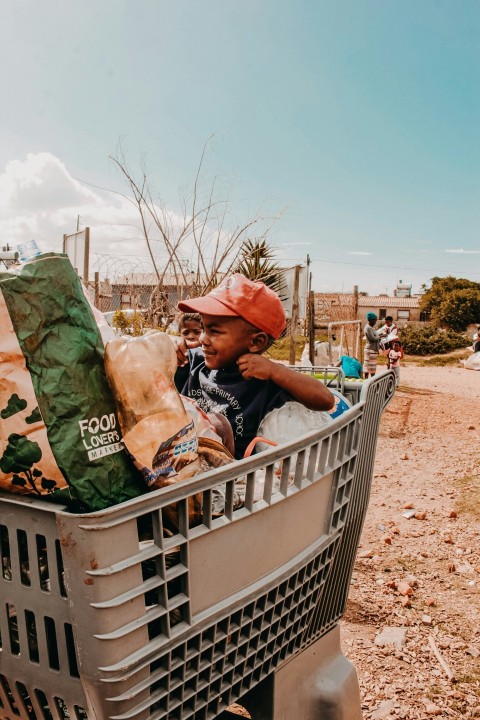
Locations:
(310, 315)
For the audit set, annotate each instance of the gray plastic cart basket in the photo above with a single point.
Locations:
(106, 615)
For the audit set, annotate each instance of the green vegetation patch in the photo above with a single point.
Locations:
(469, 500)
(431, 340)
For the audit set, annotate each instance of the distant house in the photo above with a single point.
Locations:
(403, 306)
(402, 309)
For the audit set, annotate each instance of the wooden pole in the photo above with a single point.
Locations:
(86, 262)
(294, 320)
(311, 329)
(97, 290)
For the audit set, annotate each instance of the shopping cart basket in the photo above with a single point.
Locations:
(108, 615)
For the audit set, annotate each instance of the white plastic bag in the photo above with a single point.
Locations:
(472, 362)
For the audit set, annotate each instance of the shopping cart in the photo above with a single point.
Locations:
(108, 615)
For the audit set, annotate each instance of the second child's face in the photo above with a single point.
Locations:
(224, 339)
(190, 332)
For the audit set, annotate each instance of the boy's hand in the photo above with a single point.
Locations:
(252, 365)
(181, 350)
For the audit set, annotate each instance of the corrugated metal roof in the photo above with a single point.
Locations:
(379, 301)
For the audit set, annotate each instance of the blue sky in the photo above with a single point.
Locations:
(360, 117)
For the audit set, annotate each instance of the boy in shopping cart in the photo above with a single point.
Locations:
(229, 374)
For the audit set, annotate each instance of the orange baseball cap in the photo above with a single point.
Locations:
(237, 296)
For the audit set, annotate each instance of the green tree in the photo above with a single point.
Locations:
(452, 302)
(459, 309)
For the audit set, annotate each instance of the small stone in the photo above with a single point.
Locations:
(451, 567)
(471, 427)
(432, 709)
(404, 457)
(404, 588)
(409, 514)
(406, 602)
(448, 539)
(455, 695)
(429, 602)
(383, 710)
(473, 651)
(420, 515)
(387, 540)
(426, 620)
(452, 514)
(392, 636)
(365, 554)
(408, 506)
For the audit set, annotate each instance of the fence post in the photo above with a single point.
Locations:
(294, 320)
(96, 301)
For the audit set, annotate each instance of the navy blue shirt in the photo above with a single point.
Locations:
(243, 402)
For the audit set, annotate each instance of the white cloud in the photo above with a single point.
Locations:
(461, 251)
(359, 252)
(40, 200)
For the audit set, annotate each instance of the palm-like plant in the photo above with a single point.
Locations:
(258, 264)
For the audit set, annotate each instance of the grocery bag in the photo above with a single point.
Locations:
(59, 432)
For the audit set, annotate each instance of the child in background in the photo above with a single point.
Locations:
(395, 354)
(350, 366)
(229, 374)
(190, 329)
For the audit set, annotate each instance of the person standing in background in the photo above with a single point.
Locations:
(372, 346)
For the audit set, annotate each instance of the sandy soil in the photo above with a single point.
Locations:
(428, 460)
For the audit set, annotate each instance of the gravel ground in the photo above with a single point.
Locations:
(412, 624)
(421, 576)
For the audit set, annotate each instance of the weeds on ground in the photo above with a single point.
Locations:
(280, 350)
(442, 360)
(469, 500)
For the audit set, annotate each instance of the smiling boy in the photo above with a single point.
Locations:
(228, 374)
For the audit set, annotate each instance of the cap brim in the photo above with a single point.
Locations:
(206, 306)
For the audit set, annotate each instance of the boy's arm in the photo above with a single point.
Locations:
(307, 390)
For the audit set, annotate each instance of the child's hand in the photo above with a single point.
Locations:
(181, 350)
(252, 365)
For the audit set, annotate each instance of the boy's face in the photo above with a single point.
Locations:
(224, 339)
(190, 332)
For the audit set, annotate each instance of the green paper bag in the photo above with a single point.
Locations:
(59, 432)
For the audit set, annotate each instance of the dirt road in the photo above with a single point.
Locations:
(428, 461)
